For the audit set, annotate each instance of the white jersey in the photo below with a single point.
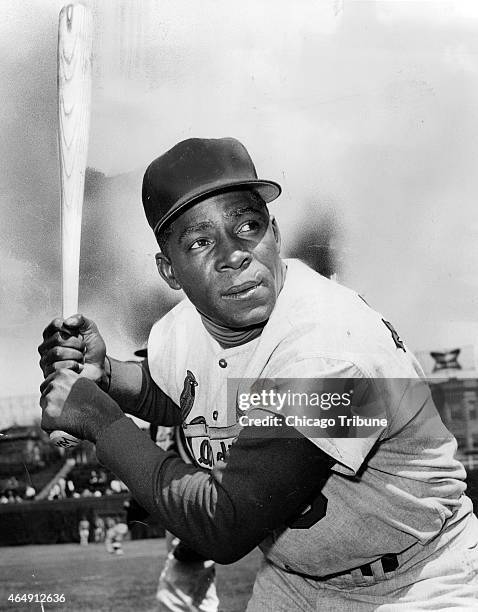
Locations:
(386, 491)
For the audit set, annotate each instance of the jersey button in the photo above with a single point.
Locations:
(222, 363)
(215, 414)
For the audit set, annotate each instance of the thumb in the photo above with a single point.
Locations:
(95, 345)
(81, 324)
(88, 327)
(74, 322)
(72, 325)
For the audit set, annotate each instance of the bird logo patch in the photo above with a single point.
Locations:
(188, 394)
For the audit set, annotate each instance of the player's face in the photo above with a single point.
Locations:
(224, 254)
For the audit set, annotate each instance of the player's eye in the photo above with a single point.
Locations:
(200, 242)
(249, 226)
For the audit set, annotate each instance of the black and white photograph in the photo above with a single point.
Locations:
(239, 305)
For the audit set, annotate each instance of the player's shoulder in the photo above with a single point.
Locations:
(309, 297)
(183, 312)
(319, 318)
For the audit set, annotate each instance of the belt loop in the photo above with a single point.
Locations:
(380, 567)
(377, 570)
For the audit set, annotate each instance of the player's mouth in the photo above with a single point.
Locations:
(243, 291)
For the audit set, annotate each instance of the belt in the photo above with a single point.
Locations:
(389, 563)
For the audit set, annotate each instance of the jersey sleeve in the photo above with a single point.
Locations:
(268, 479)
(134, 390)
(325, 398)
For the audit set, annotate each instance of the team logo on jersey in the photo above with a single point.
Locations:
(188, 394)
(202, 450)
(396, 338)
(195, 439)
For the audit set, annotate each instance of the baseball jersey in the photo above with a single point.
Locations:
(387, 490)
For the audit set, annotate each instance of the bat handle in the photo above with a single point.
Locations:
(61, 438)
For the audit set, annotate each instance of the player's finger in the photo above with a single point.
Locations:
(75, 366)
(61, 353)
(71, 361)
(52, 327)
(46, 385)
(59, 339)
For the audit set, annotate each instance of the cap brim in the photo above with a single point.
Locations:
(267, 190)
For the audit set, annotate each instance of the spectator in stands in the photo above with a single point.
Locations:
(30, 492)
(55, 492)
(12, 483)
(70, 488)
(102, 478)
(35, 456)
(84, 530)
(93, 481)
(62, 485)
(117, 486)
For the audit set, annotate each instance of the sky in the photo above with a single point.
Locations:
(365, 112)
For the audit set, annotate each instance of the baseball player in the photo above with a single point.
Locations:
(356, 499)
(84, 530)
(99, 532)
(116, 530)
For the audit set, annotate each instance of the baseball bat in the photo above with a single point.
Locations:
(75, 34)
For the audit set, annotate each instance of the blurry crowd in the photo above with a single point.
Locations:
(96, 486)
(13, 492)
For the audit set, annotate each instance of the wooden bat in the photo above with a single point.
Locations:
(75, 34)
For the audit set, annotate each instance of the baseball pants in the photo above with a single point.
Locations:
(443, 578)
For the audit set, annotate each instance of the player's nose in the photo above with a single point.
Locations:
(232, 254)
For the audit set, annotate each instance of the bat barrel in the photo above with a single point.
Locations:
(74, 101)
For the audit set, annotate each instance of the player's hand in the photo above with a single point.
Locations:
(55, 390)
(76, 405)
(75, 344)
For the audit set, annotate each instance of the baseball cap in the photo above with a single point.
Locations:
(195, 169)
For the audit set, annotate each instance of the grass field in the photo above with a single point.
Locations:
(94, 581)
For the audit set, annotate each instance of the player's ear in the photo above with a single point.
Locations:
(276, 232)
(165, 269)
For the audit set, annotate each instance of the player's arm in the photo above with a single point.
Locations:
(271, 473)
(131, 386)
(76, 344)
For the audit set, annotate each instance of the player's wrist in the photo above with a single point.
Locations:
(104, 382)
(99, 411)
